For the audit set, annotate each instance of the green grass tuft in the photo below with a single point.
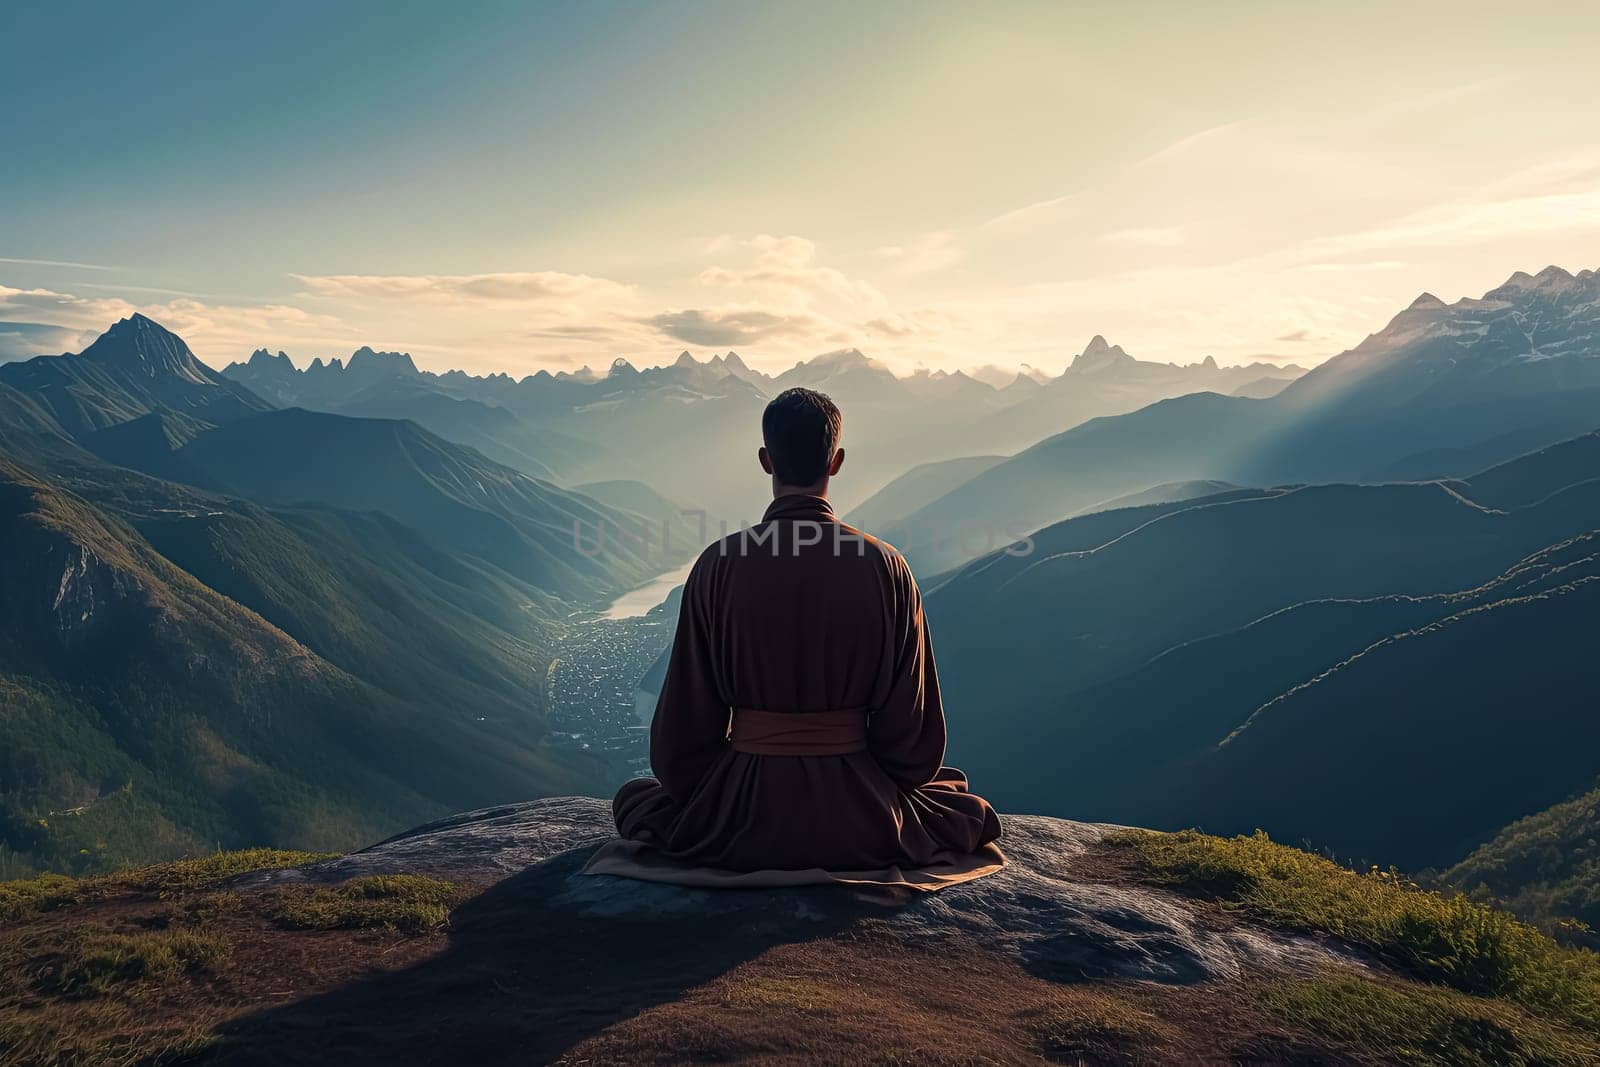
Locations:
(1450, 940)
(98, 962)
(1413, 1024)
(20, 899)
(402, 903)
(205, 872)
(30, 895)
(1096, 1028)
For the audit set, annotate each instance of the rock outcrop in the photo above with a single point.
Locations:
(478, 940)
(1058, 920)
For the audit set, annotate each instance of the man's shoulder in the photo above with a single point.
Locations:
(889, 554)
(762, 537)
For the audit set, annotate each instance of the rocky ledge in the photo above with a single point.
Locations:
(476, 940)
(1045, 910)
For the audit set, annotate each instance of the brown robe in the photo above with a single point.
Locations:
(800, 614)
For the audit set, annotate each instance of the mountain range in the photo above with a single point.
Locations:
(1443, 390)
(1390, 671)
(689, 428)
(149, 714)
(271, 605)
(233, 623)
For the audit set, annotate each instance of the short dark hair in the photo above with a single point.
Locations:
(801, 428)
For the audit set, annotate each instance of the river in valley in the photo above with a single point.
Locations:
(638, 601)
(593, 681)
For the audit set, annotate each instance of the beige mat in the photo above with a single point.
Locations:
(633, 859)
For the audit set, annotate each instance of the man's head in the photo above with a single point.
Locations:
(801, 428)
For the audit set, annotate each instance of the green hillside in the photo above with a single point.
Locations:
(535, 531)
(1412, 663)
(1545, 867)
(146, 715)
(1423, 744)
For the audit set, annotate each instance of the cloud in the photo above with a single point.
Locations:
(925, 324)
(928, 253)
(1352, 268)
(894, 326)
(223, 331)
(705, 327)
(24, 340)
(784, 266)
(1296, 336)
(1146, 237)
(504, 287)
(1033, 214)
(61, 309)
(1474, 223)
(54, 263)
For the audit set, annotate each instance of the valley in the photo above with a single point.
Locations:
(1189, 616)
(728, 531)
(597, 703)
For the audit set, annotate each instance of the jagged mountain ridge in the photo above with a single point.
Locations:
(137, 397)
(1510, 339)
(134, 368)
(1441, 391)
(637, 424)
(434, 618)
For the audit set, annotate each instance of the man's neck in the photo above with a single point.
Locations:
(781, 491)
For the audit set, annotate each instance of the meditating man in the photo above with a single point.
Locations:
(800, 725)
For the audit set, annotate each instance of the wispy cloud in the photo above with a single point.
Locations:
(785, 265)
(502, 287)
(1146, 237)
(928, 253)
(55, 263)
(23, 340)
(708, 327)
(140, 289)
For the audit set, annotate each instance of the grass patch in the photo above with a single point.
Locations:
(1099, 1029)
(401, 903)
(31, 895)
(99, 962)
(207, 871)
(763, 993)
(1450, 940)
(105, 1031)
(1411, 1024)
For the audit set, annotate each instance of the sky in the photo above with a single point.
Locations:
(509, 186)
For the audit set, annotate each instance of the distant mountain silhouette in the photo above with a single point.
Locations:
(1172, 440)
(1518, 367)
(1441, 391)
(270, 673)
(529, 529)
(926, 481)
(134, 368)
(688, 427)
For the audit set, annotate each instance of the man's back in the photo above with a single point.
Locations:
(809, 606)
(800, 724)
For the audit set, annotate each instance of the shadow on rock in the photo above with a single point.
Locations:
(536, 964)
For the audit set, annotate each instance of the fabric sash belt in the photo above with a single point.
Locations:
(798, 733)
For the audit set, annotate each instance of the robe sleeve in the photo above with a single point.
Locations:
(907, 733)
(690, 727)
